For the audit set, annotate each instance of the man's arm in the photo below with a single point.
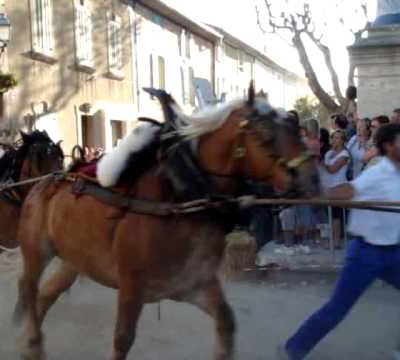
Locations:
(338, 164)
(341, 192)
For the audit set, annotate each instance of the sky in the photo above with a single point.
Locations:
(239, 18)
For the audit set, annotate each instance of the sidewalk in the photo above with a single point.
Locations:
(300, 257)
(305, 257)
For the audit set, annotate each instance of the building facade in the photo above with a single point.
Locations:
(72, 59)
(238, 62)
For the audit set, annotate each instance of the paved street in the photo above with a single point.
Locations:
(268, 309)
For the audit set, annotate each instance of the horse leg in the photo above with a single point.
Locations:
(58, 283)
(212, 301)
(34, 265)
(130, 304)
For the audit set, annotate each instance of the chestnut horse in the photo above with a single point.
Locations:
(148, 257)
(37, 155)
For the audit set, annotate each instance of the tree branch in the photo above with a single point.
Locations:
(326, 52)
(315, 86)
(298, 23)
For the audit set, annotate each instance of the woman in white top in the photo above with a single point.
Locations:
(333, 173)
(359, 144)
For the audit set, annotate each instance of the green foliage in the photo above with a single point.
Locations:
(309, 107)
(7, 82)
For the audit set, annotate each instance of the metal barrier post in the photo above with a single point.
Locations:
(330, 222)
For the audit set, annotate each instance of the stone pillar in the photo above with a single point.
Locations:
(377, 61)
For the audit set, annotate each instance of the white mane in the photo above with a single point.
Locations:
(206, 120)
(212, 118)
(113, 164)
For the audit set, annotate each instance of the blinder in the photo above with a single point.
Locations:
(269, 120)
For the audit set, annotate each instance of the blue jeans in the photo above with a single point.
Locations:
(363, 264)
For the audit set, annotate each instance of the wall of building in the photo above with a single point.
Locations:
(235, 71)
(54, 90)
(181, 53)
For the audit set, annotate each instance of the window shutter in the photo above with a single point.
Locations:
(110, 47)
(192, 95)
(185, 76)
(182, 43)
(89, 38)
(34, 25)
(187, 44)
(151, 71)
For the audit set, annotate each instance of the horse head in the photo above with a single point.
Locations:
(39, 155)
(247, 139)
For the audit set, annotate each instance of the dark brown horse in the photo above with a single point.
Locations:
(36, 155)
(146, 257)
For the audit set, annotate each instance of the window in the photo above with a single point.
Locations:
(192, 94)
(187, 82)
(151, 71)
(187, 45)
(219, 52)
(241, 61)
(183, 86)
(182, 43)
(117, 131)
(42, 27)
(157, 72)
(114, 46)
(83, 36)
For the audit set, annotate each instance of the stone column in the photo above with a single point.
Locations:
(377, 60)
(385, 7)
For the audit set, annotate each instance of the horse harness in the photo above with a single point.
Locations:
(191, 184)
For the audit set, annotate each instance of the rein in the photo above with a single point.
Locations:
(82, 185)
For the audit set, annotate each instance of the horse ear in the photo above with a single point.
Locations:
(25, 137)
(251, 94)
(58, 143)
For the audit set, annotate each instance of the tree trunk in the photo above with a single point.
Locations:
(315, 86)
(334, 77)
(350, 76)
(1, 106)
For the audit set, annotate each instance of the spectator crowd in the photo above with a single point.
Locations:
(342, 153)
